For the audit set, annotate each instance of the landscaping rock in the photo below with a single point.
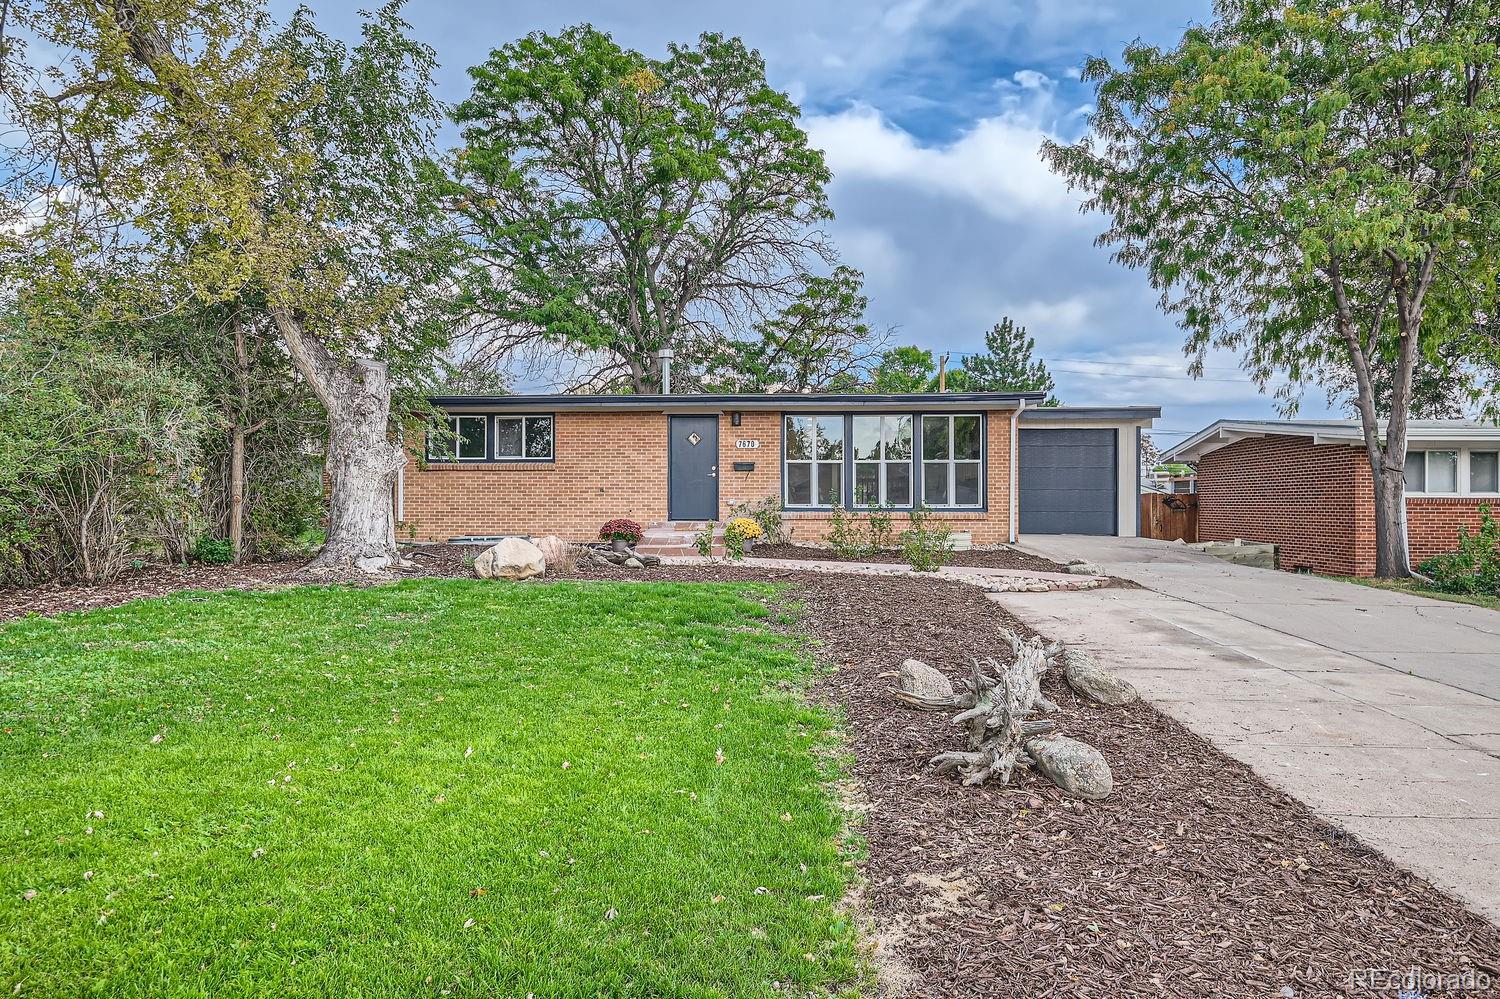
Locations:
(633, 563)
(513, 558)
(554, 549)
(1094, 682)
(650, 561)
(1076, 767)
(1085, 569)
(922, 680)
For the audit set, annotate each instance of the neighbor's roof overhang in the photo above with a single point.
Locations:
(797, 401)
(1222, 433)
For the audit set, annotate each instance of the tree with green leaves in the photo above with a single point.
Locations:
(1008, 364)
(818, 343)
(623, 205)
(1313, 184)
(904, 370)
(201, 142)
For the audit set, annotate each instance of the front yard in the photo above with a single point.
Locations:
(432, 788)
(624, 785)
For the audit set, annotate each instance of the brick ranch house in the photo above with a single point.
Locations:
(990, 463)
(1306, 487)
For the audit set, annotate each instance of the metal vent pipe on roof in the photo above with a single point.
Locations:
(664, 361)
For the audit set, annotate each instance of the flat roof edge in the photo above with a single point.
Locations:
(1007, 400)
(1045, 414)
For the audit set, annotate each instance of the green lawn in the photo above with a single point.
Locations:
(1415, 588)
(434, 788)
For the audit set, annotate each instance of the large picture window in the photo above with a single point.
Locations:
(951, 459)
(814, 461)
(882, 460)
(465, 440)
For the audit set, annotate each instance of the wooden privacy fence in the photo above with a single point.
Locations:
(1171, 517)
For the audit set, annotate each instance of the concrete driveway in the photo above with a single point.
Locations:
(1380, 710)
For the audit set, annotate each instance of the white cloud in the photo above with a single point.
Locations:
(996, 164)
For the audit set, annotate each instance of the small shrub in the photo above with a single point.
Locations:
(213, 551)
(1474, 568)
(621, 529)
(878, 523)
(767, 513)
(925, 548)
(704, 542)
(844, 535)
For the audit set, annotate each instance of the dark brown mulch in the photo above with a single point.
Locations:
(160, 581)
(988, 558)
(1195, 878)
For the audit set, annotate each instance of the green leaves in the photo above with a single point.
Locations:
(628, 204)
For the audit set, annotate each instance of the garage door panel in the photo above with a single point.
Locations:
(1069, 481)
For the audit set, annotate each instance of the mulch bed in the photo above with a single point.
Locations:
(988, 558)
(1195, 878)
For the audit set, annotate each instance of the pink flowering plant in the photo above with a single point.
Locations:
(621, 529)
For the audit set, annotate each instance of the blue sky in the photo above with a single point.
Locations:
(931, 113)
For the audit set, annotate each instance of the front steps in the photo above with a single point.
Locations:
(672, 539)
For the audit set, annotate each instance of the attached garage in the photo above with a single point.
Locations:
(1069, 481)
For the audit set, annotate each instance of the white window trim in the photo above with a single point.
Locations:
(525, 418)
(952, 463)
(882, 463)
(452, 455)
(813, 463)
(1464, 471)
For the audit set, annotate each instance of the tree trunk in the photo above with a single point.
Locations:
(237, 492)
(1392, 556)
(363, 461)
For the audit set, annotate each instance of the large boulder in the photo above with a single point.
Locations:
(513, 558)
(922, 680)
(1094, 682)
(554, 550)
(1076, 767)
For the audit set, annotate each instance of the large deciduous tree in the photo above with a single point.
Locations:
(1312, 183)
(819, 342)
(625, 204)
(246, 160)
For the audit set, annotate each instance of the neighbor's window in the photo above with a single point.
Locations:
(951, 460)
(1484, 471)
(814, 463)
(521, 438)
(1432, 471)
(466, 443)
(882, 460)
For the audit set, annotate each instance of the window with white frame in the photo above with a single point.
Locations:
(465, 440)
(951, 459)
(1453, 472)
(814, 460)
(523, 438)
(1484, 471)
(882, 447)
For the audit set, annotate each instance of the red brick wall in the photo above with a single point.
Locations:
(1432, 522)
(615, 465)
(1316, 503)
(607, 465)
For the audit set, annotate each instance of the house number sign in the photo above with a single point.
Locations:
(747, 445)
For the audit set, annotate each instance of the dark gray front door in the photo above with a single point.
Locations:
(693, 468)
(1068, 481)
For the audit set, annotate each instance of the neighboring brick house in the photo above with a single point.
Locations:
(564, 464)
(1306, 487)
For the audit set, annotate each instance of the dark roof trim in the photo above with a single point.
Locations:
(781, 400)
(1061, 414)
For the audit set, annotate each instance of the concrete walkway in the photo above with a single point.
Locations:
(1378, 709)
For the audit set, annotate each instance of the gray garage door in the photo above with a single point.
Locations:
(1068, 481)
